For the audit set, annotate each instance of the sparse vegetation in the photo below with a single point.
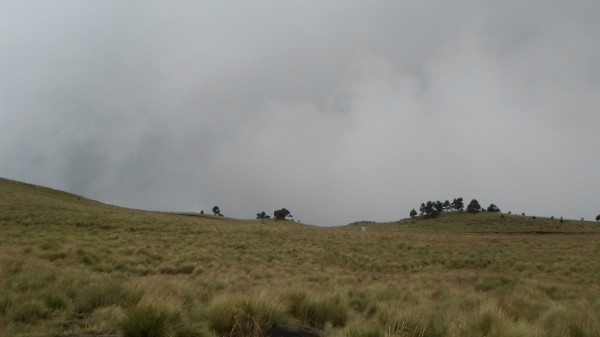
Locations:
(262, 215)
(282, 214)
(75, 267)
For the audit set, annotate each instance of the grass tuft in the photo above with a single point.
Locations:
(144, 321)
(248, 317)
(317, 313)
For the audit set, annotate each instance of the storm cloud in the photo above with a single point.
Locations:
(338, 110)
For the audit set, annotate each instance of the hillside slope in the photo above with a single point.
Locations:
(74, 267)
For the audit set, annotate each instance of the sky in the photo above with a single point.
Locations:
(339, 111)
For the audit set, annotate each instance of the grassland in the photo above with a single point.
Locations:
(75, 267)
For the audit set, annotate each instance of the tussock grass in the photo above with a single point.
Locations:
(246, 317)
(145, 321)
(75, 267)
(318, 312)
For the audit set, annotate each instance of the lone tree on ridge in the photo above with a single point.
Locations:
(493, 208)
(217, 211)
(413, 213)
(281, 214)
(474, 206)
(598, 217)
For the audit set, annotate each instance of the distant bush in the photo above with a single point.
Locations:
(217, 211)
(598, 217)
(262, 215)
(493, 208)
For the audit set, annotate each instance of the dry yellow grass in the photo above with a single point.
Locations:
(71, 266)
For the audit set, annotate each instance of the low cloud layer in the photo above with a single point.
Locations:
(339, 111)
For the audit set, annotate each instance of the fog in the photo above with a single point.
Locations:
(339, 111)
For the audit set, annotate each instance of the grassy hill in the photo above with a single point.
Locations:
(75, 267)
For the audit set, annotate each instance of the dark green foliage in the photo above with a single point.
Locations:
(431, 209)
(457, 204)
(217, 211)
(413, 213)
(144, 321)
(439, 207)
(473, 206)
(281, 214)
(493, 208)
(262, 215)
(447, 206)
(598, 217)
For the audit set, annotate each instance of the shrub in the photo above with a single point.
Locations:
(145, 321)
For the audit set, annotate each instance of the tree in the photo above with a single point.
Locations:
(281, 214)
(262, 215)
(598, 217)
(439, 207)
(473, 206)
(217, 211)
(493, 208)
(431, 209)
(413, 213)
(458, 205)
(447, 205)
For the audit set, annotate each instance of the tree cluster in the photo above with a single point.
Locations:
(262, 215)
(435, 208)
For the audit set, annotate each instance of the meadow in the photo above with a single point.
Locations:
(70, 266)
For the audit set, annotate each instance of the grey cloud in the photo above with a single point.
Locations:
(339, 111)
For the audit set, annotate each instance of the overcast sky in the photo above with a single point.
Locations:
(337, 110)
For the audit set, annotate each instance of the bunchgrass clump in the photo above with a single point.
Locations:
(106, 293)
(145, 321)
(247, 317)
(318, 312)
